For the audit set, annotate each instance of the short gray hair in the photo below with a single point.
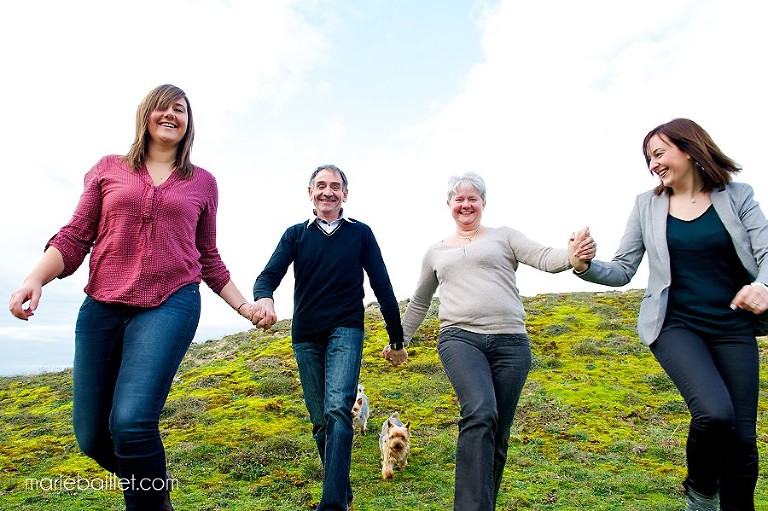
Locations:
(466, 179)
(333, 168)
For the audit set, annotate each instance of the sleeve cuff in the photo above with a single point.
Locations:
(577, 272)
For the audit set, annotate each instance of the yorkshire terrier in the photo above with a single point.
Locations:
(360, 411)
(395, 444)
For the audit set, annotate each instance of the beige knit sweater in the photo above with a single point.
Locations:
(477, 282)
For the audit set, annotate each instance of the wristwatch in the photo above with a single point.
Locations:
(396, 345)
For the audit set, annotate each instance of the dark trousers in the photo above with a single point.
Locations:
(487, 373)
(125, 361)
(719, 379)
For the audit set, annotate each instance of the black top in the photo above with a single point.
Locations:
(706, 275)
(328, 270)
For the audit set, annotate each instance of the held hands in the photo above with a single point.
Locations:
(26, 293)
(752, 298)
(581, 249)
(261, 313)
(395, 357)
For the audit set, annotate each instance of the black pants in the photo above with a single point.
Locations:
(719, 379)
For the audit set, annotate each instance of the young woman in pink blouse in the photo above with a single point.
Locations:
(149, 221)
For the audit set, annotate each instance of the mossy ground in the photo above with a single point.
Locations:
(599, 426)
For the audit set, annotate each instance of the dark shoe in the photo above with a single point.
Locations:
(167, 501)
(697, 502)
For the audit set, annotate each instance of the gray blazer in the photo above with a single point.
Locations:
(647, 231)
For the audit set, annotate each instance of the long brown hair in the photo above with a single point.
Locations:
(160, 98)
(714, 168)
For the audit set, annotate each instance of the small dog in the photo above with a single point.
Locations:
(360, 412)
(395, 444)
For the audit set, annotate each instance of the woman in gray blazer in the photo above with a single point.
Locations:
(707, 242)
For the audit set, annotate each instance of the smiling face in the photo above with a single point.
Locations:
(673, 166)
(328, 194)
(467, 207)
(167, 127)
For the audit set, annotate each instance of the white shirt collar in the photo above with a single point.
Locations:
(324, 223)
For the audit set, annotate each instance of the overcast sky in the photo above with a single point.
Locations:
(549, 101)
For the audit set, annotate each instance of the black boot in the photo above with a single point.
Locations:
(141, 475)
(169, 482)
(698, 502)
(167, 501)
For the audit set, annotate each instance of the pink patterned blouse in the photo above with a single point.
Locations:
(148, 241)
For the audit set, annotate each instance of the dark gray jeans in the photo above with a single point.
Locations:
(487, 373)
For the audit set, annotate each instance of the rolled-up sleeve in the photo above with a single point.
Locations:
(76, 239)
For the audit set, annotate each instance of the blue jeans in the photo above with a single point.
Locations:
(125, 360)
(487, 373)
(329, 368)
(719, 380)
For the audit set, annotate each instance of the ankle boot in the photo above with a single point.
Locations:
(167, 501)
(698, 502)
(169, 483)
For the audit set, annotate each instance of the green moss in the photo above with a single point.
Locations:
(599, 425)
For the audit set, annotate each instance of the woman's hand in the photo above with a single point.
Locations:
(753, 298)
(50, 266)
(581, 249)
(262, 313)
(28, 292)
(395, 357)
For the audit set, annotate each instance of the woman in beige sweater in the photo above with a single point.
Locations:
(483, 343)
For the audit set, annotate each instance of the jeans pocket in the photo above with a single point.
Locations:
(515, 339)
(185, 300)
(188, 290)
(88, 300)
(449, 334)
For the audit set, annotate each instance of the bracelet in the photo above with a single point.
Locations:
(238, 307)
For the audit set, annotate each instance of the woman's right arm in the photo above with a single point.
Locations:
(50, 266)
(418, 305)
(416, 311)
(64, 252)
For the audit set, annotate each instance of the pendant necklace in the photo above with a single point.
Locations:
(469, 238)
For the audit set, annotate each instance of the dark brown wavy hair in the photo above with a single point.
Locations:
(714, 168)
(160, 98)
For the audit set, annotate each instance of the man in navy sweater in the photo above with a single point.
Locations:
(329, 254)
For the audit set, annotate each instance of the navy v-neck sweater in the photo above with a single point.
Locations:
(328, 271)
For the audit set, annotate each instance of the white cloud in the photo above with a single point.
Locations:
(74, 73)
(551, 109)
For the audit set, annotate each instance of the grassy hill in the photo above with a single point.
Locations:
(599, 426)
